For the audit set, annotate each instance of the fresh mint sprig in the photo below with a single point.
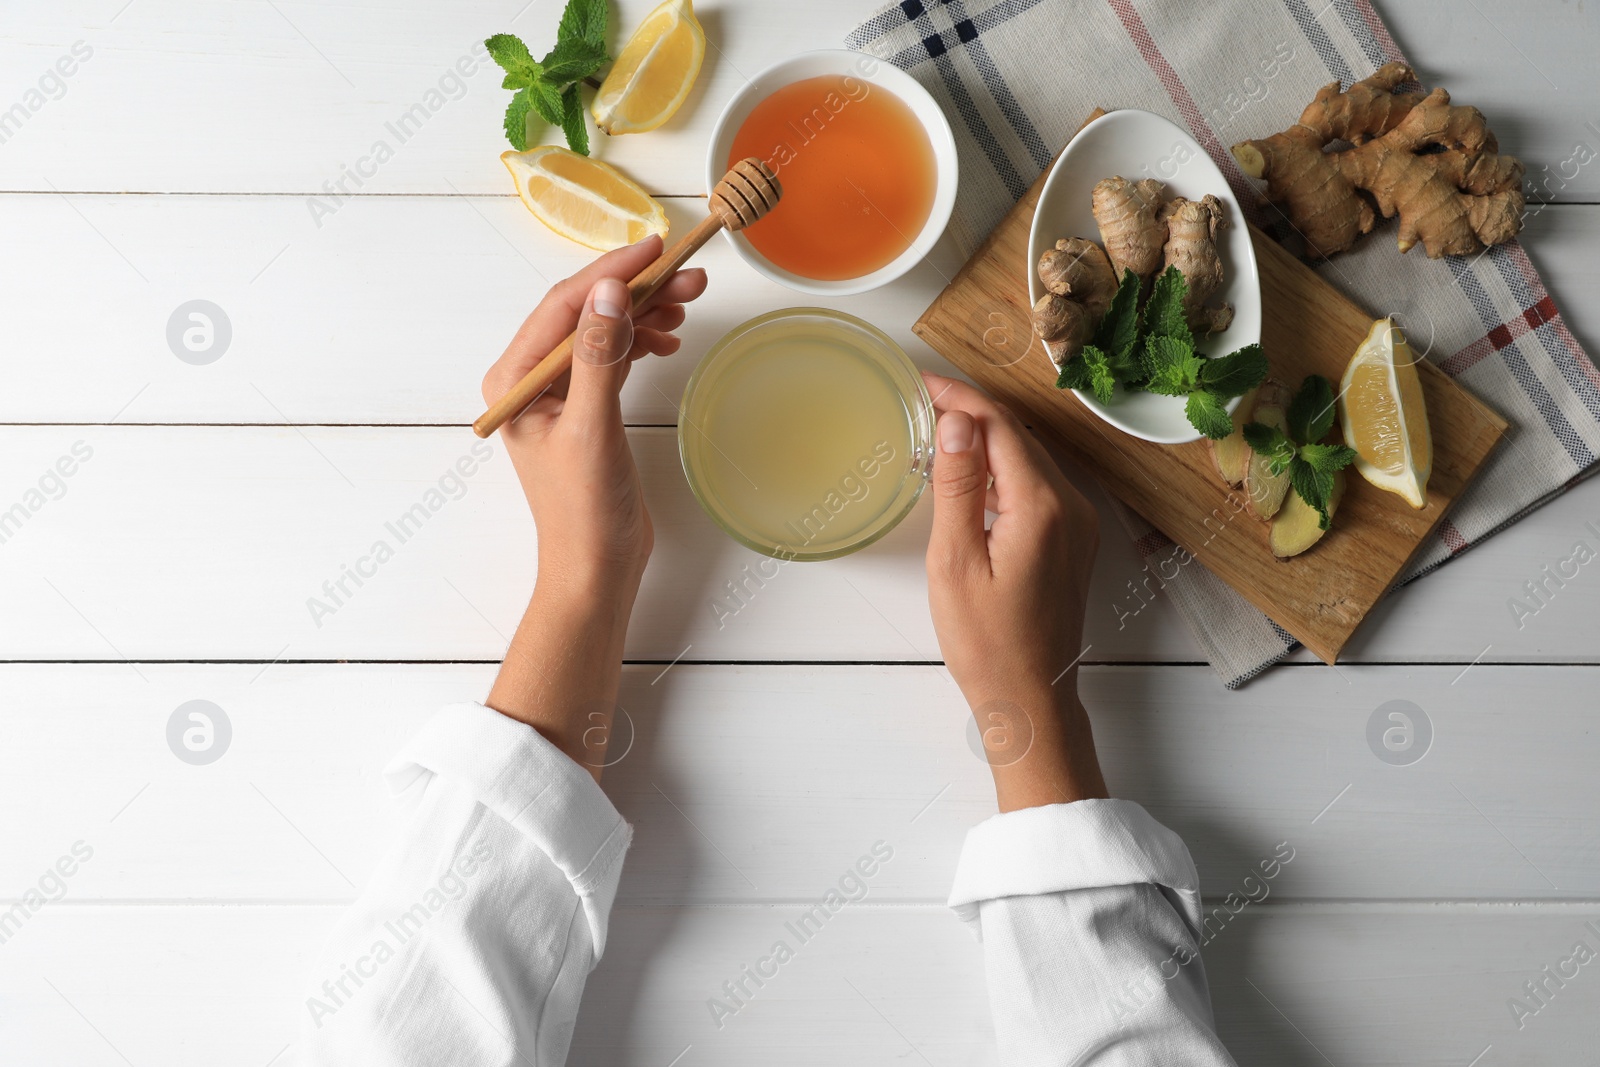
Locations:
(1310, 462)
(1153, 348)
(548, 87)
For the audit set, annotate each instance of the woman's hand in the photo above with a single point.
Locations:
(563, 669)
(1008, 602)
(569, 447)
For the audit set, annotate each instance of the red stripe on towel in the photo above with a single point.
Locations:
(1574, 351)
(1531, 319)
(1134, 26)
(1380, 33)
(1151, 543)
(1452, 537)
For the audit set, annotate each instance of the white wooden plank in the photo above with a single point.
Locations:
(224, 536)
(1376, 985)
(389, 313)
(759, 783)
(296, 92)
(295, 96)
(1425, 986)
(93, 986)
(221, 538)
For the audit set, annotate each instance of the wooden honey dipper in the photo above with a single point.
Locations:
(744, 195)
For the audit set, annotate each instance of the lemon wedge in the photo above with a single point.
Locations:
(655, 71)
(584, 199)
(1385, 418)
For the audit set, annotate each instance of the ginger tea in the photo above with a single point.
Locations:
(803, 434)
(858, 174)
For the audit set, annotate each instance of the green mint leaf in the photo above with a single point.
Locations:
(1075, 374)
(1127, 367)
(1089, 372)
(573, 122)
(1314, 487)
(1105, 386)
(1311, 411)
(1209, 414)
(1263, 439)
(572, 61)
(519, 81)
(1328, 458)
(513, 56)
(517, 120)
(1163, 353)
(584, 20)
(1271, 442)
(546, 100)
(1118, 334)
(1102, 376)
(1173, 367)
(1163, 313)
(1236, 373)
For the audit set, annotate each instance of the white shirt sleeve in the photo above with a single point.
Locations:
(1090, 918)
(472, 943)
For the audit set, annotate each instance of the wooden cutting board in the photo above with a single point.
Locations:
(981, 324)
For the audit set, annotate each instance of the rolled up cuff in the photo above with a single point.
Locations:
(520, 776)
(1082, 845)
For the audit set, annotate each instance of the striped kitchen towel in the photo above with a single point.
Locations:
(1017, 77)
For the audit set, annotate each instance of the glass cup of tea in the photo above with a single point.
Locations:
(806, 434)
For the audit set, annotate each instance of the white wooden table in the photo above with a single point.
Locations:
(175, 564)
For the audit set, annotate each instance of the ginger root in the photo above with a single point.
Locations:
(1192, 227)
(1080, 282)
(1130, 226)
(1063, 326)
(1320, 200)
(1297, 525)
(1438, 167)
(1265, 492)
(1077, 267)
(1231, 454)
(1442, 172)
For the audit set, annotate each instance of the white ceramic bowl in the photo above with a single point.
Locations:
(1138, 144)
(879, 74)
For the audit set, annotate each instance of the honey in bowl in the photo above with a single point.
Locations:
(858, 174)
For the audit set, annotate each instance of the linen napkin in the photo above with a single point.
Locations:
(1017, 78)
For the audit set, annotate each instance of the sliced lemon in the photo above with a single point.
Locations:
(1385, 418)
(584, 199)
(653, 75)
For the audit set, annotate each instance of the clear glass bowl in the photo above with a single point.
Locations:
(806, 434)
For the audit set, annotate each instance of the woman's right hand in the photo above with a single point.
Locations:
(570, 450)
(569, 446)
(1008, 602)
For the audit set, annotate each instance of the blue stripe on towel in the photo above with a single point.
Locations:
(936, 44)
(969, 32)
(1361, 31)
(1319, 40)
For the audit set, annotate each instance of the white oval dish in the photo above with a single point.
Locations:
(1139, 144)
(878, 73)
